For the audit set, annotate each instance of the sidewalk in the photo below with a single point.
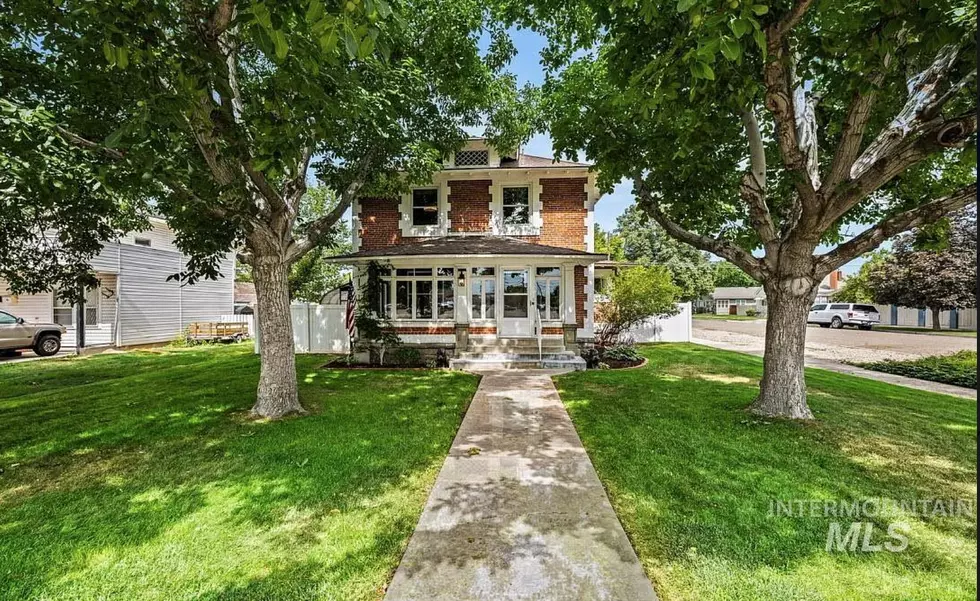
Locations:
(518, 511)
(852, 370)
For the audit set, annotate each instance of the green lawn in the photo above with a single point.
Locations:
(911, 330)
(692, 476)
(139, 476)
(724, 317)
(958, 369)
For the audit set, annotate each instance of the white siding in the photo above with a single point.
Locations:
(32, 307)
(153, 309)
(159, 235)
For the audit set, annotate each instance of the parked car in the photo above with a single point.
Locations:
(16, 334)
(838, 315)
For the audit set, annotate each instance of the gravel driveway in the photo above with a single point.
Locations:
(840, 345)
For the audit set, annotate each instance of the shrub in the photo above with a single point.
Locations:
(958, 369)
(621, 352)
(407, 356)
(637, 294)
(591, 357)
(751, 312)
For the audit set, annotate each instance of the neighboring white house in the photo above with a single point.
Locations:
(134, 302)
(738, 300)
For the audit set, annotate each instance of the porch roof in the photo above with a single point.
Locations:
(469, 246)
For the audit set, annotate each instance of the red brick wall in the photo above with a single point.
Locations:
(426, 330)
(552, 331)
(563, 212)
(580, 281)
(469, 205)
(379, 223)
(478, 330)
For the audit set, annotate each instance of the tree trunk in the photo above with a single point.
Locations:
(277, 394)
(935, 318)
(782, 391)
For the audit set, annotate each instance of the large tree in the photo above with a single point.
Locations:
(756, 131)
(646, 242)
(222, 108)
(727, 275)
(917, 274)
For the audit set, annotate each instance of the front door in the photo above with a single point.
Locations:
(516, 316)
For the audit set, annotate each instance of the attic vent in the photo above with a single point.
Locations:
(472, 158)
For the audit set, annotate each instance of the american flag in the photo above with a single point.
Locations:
(351, 308)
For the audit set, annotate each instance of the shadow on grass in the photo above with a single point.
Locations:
(692, 476)
(153, 480)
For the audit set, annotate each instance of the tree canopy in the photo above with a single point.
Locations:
(646, 242)
(728, 275)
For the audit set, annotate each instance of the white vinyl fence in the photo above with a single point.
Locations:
(246, 319)
(962, 319)
(676, 328)
(316, 328)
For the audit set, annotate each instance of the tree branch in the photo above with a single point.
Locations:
(81, 142)
(873, 237)
(793, 17)
(852, 135)
(753, 187)
(723, 248)
(322, 226)
(223, 15)
(779, 82)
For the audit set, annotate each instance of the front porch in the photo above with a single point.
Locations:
(488, 295)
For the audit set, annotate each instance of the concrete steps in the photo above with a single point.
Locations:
(516, 353)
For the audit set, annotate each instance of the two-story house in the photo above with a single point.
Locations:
(495, 252)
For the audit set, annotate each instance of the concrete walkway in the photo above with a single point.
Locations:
(518, 512)
(843, 368)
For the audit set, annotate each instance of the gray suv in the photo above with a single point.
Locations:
(16, 334)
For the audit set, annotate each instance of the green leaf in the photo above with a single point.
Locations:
(113, 139)
(109, 52)
(366, 47)
(328, 41)
(709, 73)
(122, 57)
(760, 40)
(685, 5)
(350, 44)
(315, 11)
(731, 49)
(282, 48)
(740, 27)
(262, 15)
(760, 9)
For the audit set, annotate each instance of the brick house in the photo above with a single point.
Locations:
(493, 254)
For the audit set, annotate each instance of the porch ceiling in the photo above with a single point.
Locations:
(469, 246)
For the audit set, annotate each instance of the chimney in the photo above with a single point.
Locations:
(834, 279)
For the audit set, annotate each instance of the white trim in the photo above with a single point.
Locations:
(535, 221)
(441, 228)
(355, 225)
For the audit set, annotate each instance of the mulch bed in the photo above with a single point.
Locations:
(626, 364)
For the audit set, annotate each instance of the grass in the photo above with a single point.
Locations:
(911, 330)
(692, 476)
(139, 476)
(710, 316)
(958, 369)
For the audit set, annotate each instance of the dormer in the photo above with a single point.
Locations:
(477, 154)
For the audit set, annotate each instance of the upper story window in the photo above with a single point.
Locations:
(141, 242)
(517, 205)
(425, 206)
(472, 158)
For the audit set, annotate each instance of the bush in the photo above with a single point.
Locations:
(637, 294)
(591, 357)
(406, 356)
(622, 352)
(751, 312)
(958, 369)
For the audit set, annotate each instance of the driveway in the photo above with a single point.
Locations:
(847, 344)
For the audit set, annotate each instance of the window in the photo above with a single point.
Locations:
(517, 206)
(818, 307)
(425, 206)
(601, 284)
(839, 307)
(421, 293)
(7, 319)
(482, 289)
(548, 288)
(866, 308)
(468, 158)
(141, 242)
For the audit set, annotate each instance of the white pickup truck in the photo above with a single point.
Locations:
(838, 315)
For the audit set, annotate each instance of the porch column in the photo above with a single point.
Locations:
(570, 326)
(462, 328)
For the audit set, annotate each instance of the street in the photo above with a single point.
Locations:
(846, 344)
